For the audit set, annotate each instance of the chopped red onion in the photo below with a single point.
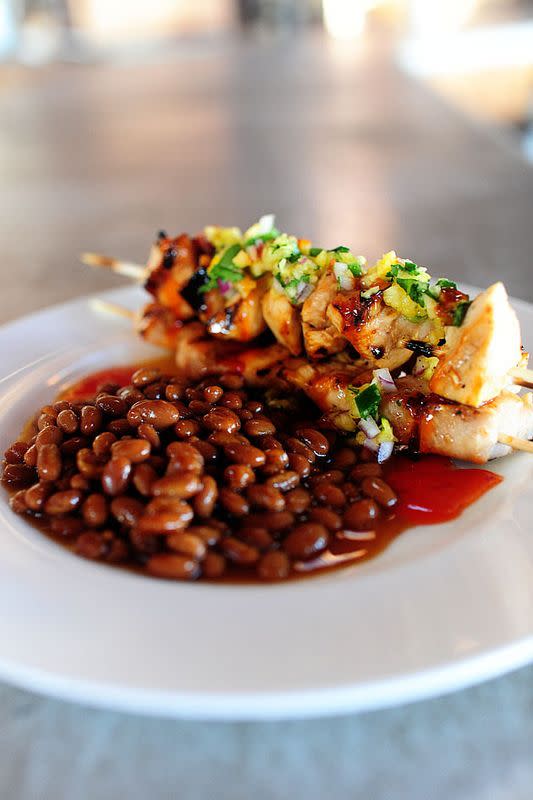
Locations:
(224, 286)
(369, 427)
(385, 451)
(385, 380)
(303, 290)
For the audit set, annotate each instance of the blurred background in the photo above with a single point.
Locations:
(383, 123)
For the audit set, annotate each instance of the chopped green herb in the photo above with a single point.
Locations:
(355, 269)
(224, 270)
(315, 251)
(367, 400)
(444, 283)
(294, 257)
(341, 249)
(414, 288)
(263, 237)
(460, 312)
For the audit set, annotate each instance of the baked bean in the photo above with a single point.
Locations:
(197, 407)
(239, 476)
(362, 515)
(160, 413)
(284, 481)
(163, 522)
(102, 444)
(329, 494)
(127, 510)
(173, 567)
(30, 456)
(17, 502)
(330, 476)
(36, 496)
(245, 415)
(306, 540)
(271, 443)
(214, 565)
(377, 489)
(239, 552)
(148, 432)
(95, 511)
(144, 476)
(91, 419)
(204, 501)
(164, 503)
(222, 419)
(259, 427)
(49, 435)
(222, 438)
(143, 543)
(63, 502)
(60, 405)
(294, 445)
(15, 453)
(144, 376)
(192, 394)
(326, 517)
(276, 460)
(156, 391)
(314, 440)
(89, 464)
(182, 486)
(213, 393)
(344, 458)
(120, 427)
(67, 420)
(245, 454)
(130, 395)
(258, 537)
(187, 544)
(255, 406)
(66, 527)
(90, 544)
(185, 428)
(116, 475)
(206, 533)
(174, 391)
(117, 551)
(45, 420)
(207, 451)
(361, 471)
(185, 457)
(351, 491)
(265, 496)
(297, 500)
(274, 566)
(135, 450)
(49, 462)
(271, 520)
(112, 406)
(80, 482)
(299, 464)
(233, 502)
(71, 446)
(231, 400)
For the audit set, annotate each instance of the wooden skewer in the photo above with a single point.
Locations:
(126, 268)
(105, 307)
(522, 376)
(517, 444)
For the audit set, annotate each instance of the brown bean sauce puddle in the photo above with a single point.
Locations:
(430, 490)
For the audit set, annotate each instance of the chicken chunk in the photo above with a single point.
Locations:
(321, 338)
(283, 319)
(479, 354)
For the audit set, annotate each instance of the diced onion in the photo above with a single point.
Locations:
(385, 381)
(303, 290)
(266, 223)
(344, 276)
(385, 451)
(369, 426)
(371, 444)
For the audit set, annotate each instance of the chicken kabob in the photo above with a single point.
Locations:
(216, 293)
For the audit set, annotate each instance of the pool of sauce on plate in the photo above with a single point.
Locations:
(431, 490)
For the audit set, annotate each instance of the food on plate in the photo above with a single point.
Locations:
(214, 480)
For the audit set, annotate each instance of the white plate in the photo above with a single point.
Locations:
(443, 607)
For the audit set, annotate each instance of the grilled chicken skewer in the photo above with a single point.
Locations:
(321, 302)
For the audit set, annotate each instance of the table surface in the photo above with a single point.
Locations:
(344, 149)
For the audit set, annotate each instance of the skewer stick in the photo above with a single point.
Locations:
(522, 376)
(516, 443)
(126, 268)
(105, 307)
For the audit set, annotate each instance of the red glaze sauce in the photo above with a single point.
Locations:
(87, 387)
(432, 489)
